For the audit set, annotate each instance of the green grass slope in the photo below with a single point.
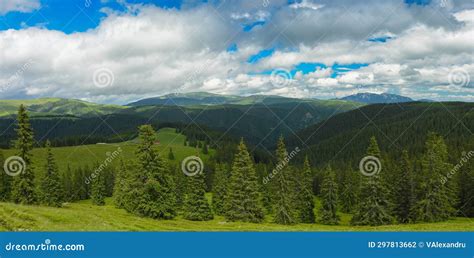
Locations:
(57, 107)
(83, 216)
(89, 154)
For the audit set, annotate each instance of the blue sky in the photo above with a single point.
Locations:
(73, 15)
(327, 48)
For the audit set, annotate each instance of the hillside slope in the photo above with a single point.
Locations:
(258, 123)
(57, 107)
(396, 126)
(372, 98)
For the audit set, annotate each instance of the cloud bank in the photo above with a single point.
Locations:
(375, 46)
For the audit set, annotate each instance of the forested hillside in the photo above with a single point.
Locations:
(396, 127)
(259, 123)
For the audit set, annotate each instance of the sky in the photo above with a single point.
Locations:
(118, 51)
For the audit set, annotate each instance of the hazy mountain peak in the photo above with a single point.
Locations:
(372, 98)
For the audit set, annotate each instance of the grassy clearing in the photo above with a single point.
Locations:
(83, 216)
(76, 156)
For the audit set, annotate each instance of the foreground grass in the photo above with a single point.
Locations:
(83, 216)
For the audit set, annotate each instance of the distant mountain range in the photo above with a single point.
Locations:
(79, 108)
(259, 119)
(372, 98)
(57, 107)
(204, 98)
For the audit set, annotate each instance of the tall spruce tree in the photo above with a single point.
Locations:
(181, 188)
(128, 190)
(66, 181)
(328, 211)
(23, 186)
(196, 205)
(120, 186)
(51, 190)
(348, 195)
(81, 189)
(285, 212)
(243, 199)
(5, 181)
(373, 208)
(219, 189)
(435, 201)
(267, 192)
(404, 195)
(305, 197)
(98, 190)
(157, 198)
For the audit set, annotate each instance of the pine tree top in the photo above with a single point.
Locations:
(373, 149)
(281, 152)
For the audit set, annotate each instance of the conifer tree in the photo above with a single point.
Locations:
(157, 198)
(5, 181)
(98, 190)
(243, 200)
(435, 201)
(120, 186)
(181, 187)
(219, 189)
(328, 211)
(284, 206)
(348, 195)
(204, 148)
(66, 181)
(196, 205)
(170, 154)
(128, 190)
(23, 186)
(267, 193)
(50, 187)
(305, 198)
(373, 208)
(404, 197)
(81, 189)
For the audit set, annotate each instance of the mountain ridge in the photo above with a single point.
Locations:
(373, 98)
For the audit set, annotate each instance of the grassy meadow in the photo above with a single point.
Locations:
(76, 156)
(83, 216)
